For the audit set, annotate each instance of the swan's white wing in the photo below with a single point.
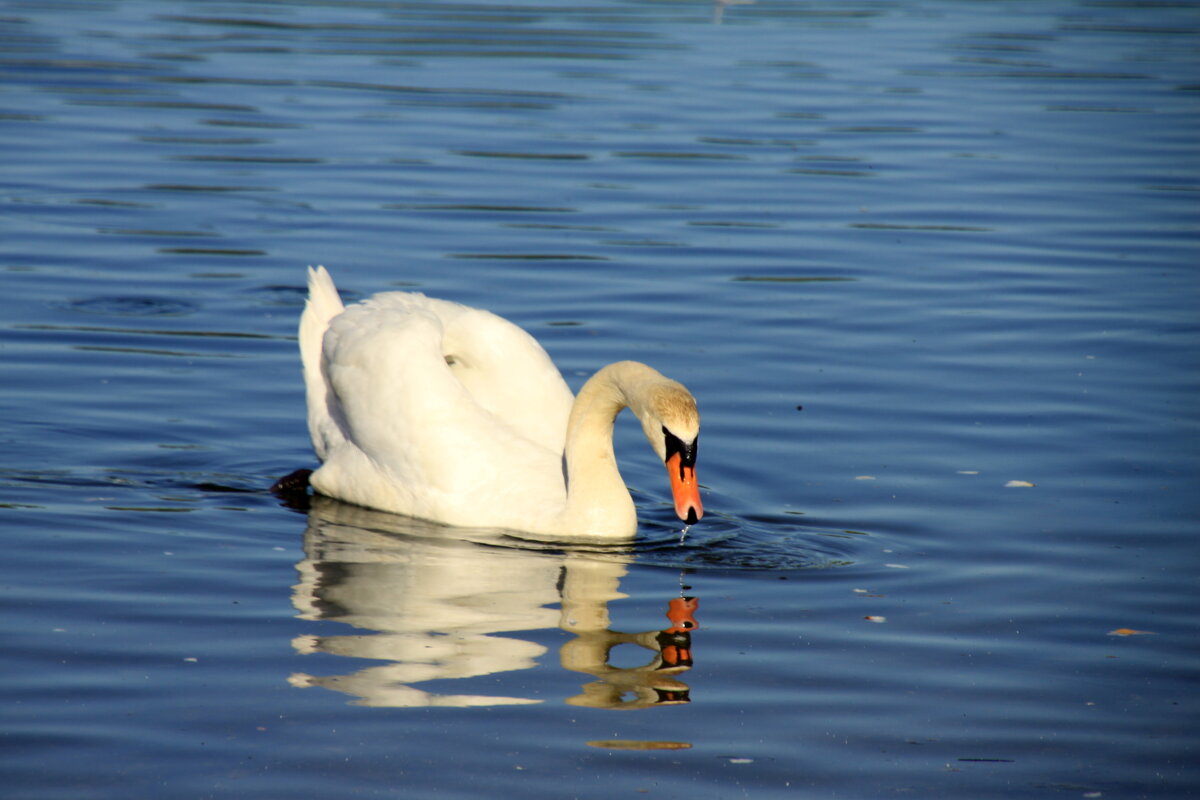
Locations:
(417, 441)
(505, 370)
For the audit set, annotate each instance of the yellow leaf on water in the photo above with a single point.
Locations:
(636, 744)
(1019, 485)
(1130, 632)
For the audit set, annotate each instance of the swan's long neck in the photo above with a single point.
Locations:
(597, 500)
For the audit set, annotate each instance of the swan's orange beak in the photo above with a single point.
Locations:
(685, 489)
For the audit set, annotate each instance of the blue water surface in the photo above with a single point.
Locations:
(930, 268)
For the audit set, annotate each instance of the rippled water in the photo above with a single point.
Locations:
(929, 267)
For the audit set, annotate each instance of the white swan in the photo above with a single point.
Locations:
(436, 410)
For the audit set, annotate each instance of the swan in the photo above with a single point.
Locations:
(437, 410)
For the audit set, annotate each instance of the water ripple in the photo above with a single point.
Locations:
(730, 543)
(134, 306)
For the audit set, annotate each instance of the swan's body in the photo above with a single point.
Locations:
(436, 410)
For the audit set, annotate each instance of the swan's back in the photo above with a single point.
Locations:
(403, 389)
(504, 369)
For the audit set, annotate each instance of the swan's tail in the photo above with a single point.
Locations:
(322, 306)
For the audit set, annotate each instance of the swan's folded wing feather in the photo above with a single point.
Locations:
(418, 443)
(509, 374)
(504, 369)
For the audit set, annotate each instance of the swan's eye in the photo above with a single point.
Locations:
(686, 452)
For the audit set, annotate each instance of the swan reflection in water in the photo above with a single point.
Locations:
(435, 603)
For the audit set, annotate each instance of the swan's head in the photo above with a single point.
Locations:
(673, 428)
